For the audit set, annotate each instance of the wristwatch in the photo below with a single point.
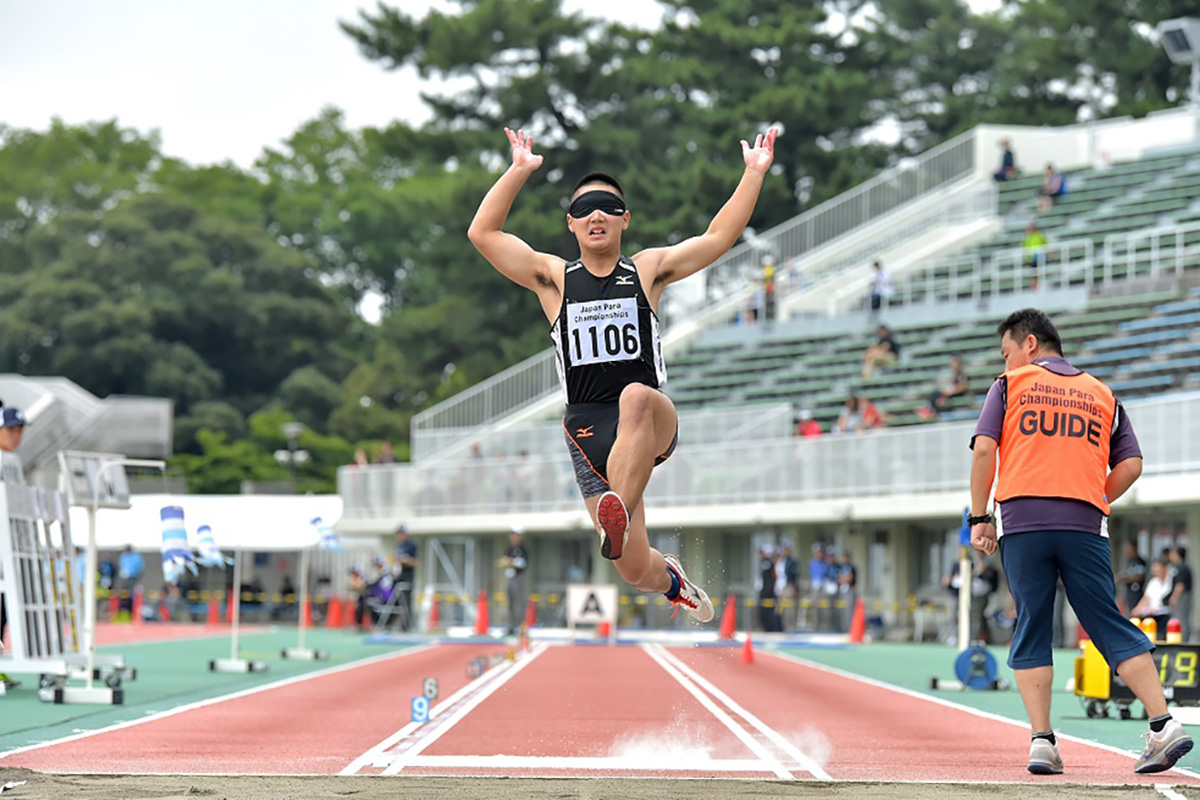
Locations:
(981, 519)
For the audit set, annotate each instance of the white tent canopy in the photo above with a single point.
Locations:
(238, 522)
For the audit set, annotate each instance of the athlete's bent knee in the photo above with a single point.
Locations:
(637, 403)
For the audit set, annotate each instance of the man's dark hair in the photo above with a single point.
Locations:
(1031, 321)
(1182, 551)
(599, 177)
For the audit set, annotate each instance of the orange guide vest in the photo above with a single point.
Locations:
(1055, 440)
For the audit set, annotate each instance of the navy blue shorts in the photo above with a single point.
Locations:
(1033, 563)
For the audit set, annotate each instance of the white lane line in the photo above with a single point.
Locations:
(484, 693)
(803, 759)
(608, 764)
(377, 756)
(220, 699)
(950, 704)
(1168, 792)
(756, 747)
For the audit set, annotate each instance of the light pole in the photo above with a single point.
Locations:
(292, 431)
(1180, 37)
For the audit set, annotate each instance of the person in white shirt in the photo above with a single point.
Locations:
(1158, 591)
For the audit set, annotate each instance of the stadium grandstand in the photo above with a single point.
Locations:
(1119, 272)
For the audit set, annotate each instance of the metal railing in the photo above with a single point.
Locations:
(1152, 253)
(893, 189)
(1136, 255)
(704, 425)
(905, 461)
(971, 276)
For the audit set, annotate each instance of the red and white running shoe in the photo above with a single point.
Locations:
(614, 525)
(692, 598)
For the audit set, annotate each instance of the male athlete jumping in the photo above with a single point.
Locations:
(603, 312)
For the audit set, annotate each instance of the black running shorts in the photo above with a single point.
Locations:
(591, 430)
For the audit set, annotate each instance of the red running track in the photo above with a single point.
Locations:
(586, 710)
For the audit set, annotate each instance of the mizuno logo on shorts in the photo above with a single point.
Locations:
(583, 433)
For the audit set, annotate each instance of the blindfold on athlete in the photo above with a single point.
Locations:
(603, 313)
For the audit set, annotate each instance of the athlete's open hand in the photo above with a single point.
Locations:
(522, 150)
(759, 157)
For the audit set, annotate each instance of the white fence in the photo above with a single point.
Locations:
(910, 460)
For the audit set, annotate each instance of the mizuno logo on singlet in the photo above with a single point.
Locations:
(624, 280)
(583, 433)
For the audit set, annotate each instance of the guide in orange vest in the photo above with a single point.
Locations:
(1066, 451)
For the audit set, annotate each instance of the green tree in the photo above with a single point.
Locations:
(1034, 62)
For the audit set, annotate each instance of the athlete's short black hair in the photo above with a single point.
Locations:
(599, 177)
(1020, 324)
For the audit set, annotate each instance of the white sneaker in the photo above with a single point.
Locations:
(1164, 748)
(1044, 758)
(691, 597)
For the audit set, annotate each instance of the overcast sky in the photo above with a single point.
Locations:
(220, 79)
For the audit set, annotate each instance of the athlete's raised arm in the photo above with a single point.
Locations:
(515, 259)
(674, 263)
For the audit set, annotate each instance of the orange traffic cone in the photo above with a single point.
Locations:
(729, 618)
(481, 615)
(333, 612)
(858, 623)
(135, 613)
(748, 650)
(530, 614)
(306, 613)
(435, 615)
(214, 612)
(230, 601)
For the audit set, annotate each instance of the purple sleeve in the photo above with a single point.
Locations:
(991, 419)
(1123, 444)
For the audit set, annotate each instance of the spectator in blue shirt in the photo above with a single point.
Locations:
(1008, 166)
(130, 566)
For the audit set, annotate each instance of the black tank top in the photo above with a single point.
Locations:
(606, 335)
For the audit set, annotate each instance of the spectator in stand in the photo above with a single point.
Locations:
(360, 459)
(768, 614)
(951, 383)
(1034, 243)
(768, 280)
(847, 580)
(882, 287)
(884, 353)
(1155, 600)
(1133, 576)
(1181, 590)
(850, 417)
(1054, 184)
(1008, 165)
(387, 453)
(807, 427)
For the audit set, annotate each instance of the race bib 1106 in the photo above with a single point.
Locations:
(603, 330)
